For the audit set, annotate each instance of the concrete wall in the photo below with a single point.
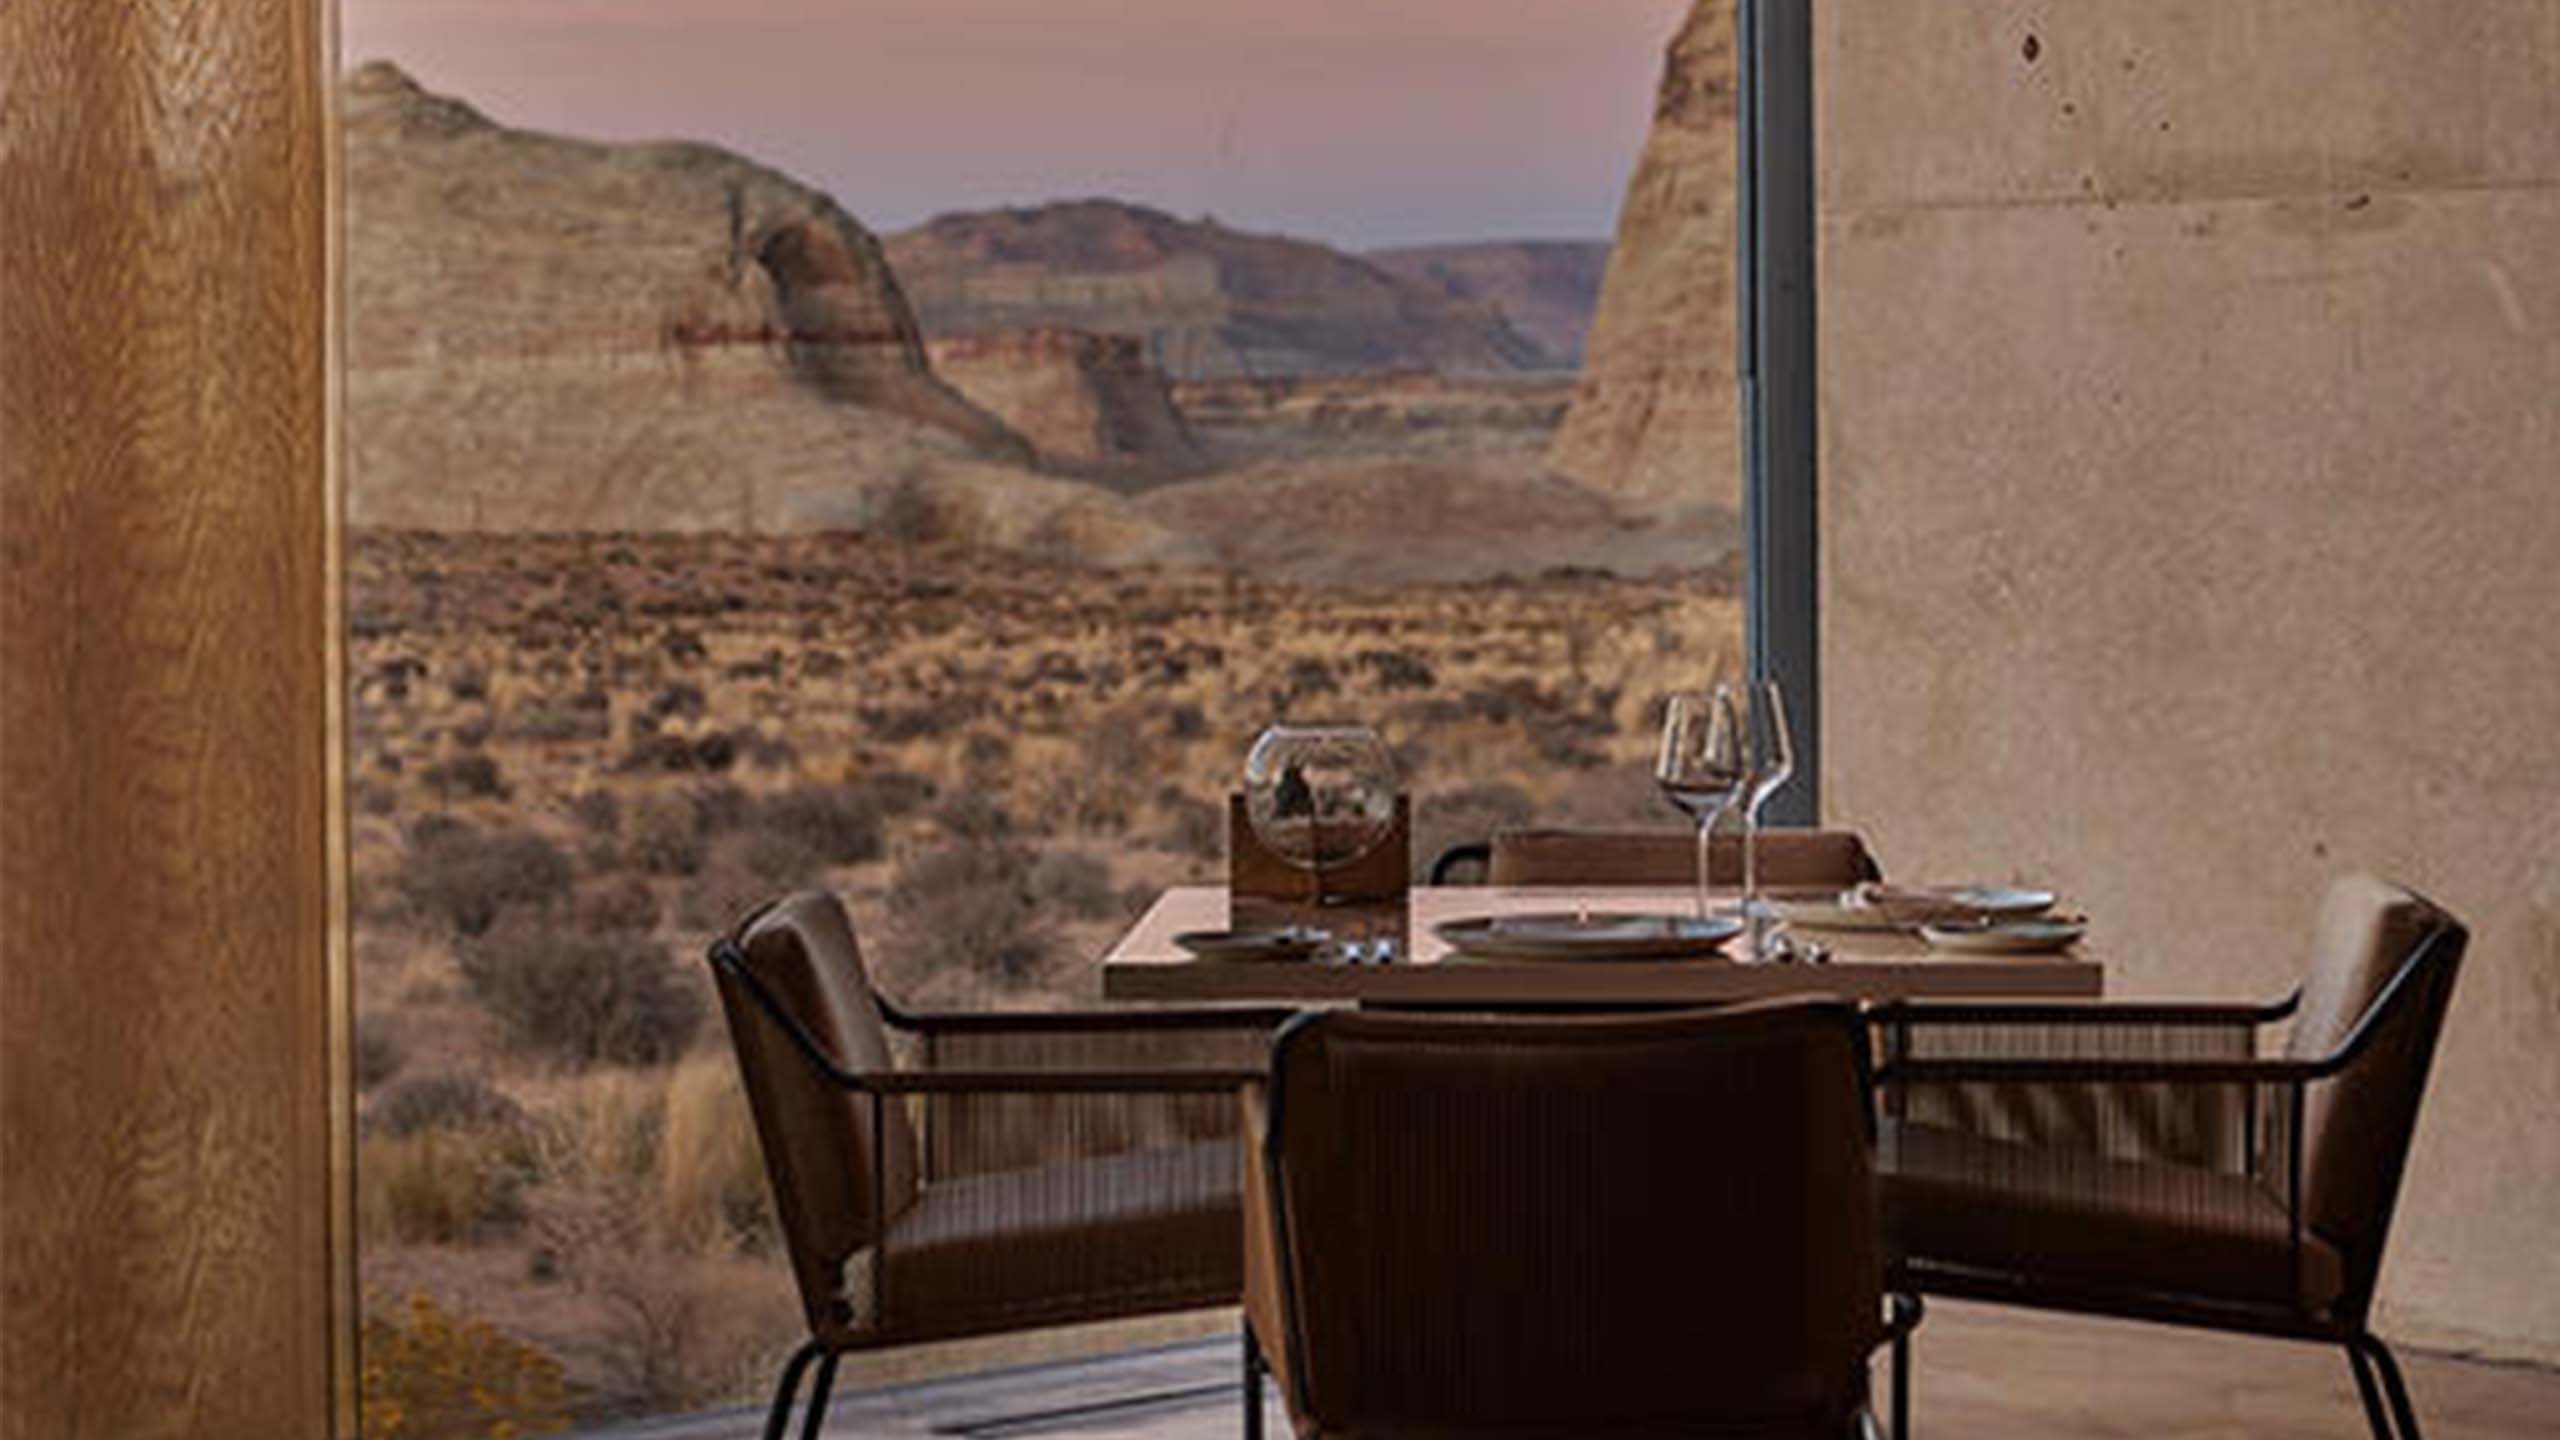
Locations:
(2191, 514)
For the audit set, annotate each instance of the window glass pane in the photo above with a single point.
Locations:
(913, 448)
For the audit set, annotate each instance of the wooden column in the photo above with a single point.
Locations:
(171, 1262)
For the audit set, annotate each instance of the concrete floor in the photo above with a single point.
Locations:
(1981, 1374)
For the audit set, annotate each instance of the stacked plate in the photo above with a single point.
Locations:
(1977, 919)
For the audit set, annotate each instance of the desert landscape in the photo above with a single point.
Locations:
(706, 545)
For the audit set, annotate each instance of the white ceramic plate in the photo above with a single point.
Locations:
(1295, 942)
(1597, 936)
(2001, 900)
(2006, 937)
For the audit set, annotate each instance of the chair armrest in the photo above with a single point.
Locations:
(1048, 1022)
(2081, 1012)
(1969, 1071)
(1047, 1082)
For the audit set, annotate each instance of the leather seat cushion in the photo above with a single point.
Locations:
(1121, 1234)
(2077, 1218)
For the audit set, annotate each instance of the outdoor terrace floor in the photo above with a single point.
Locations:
(1980, 1374)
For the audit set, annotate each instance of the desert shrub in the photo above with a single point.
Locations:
(711, 1182)
(721, 805)
(1186, 721)
(439, 1186)
(466, 877)
(967, 907)
(975, 816)
(839, 823)
(444, 1100)
(772, 859)
(712, 753)
(1398, 669)
(1192, 826)
(714, 901)
(985, 751)
(663, 834)
(378, 1052)
(679, 700)
(624, 904)
(586, 716)
(581, 997)
(430, 1373)
(766, 752)
(898, 793)
(596, 811)
(465, 777)
(373, 797)
(1076, 881)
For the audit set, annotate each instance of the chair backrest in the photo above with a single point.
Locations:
(818, 1140)
(1570, 1226)
(1789, 859)
(2382, 972)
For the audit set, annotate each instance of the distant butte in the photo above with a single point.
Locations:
(1207, 302)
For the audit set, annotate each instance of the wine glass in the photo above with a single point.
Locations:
(1772, 764)
(1320, 797)
(1705, 762)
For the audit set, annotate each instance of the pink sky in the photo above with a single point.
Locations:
(1365, 122)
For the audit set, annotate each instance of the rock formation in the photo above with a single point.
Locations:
(1086, 400)
(545, 333)
(1546, 289)
(1207, 302)
(1655, 419)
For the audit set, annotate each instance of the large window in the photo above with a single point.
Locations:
(912, 449)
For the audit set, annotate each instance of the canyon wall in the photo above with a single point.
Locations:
(1654, 422)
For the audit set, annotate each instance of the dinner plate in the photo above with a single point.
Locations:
(2001, 900)
(1294, 942)
(2006, 937)
(1567, 935)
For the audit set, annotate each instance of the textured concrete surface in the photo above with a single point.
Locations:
(2191, 514)
(1980, 1373)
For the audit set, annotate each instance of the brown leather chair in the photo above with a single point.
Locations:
(1036, 1169)
(1789, 859)
(2140, 1160)
(1552, 1227)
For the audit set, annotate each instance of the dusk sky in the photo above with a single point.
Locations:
(1363, 122)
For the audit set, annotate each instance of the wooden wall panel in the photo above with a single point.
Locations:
(167, 1257)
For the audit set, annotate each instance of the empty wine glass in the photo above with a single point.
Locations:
(1705, 762)
(1772, 761)
(1320, 797)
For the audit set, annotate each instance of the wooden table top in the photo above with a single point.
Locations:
(1147, 965)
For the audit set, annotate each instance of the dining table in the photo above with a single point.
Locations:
(1423, 971)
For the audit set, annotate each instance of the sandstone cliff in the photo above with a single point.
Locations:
(1207, 302)
(1654, 421)
(1086, 400)
(1546, 289)
(546, 333)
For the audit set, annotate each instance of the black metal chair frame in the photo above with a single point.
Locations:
(881, 1087)
(2388, 1412)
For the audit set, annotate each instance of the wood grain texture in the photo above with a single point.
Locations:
(164, 848)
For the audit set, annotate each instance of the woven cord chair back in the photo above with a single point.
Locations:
(1789, 859)
(1576, 1226)
(836, 1185)
(2382, 978)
